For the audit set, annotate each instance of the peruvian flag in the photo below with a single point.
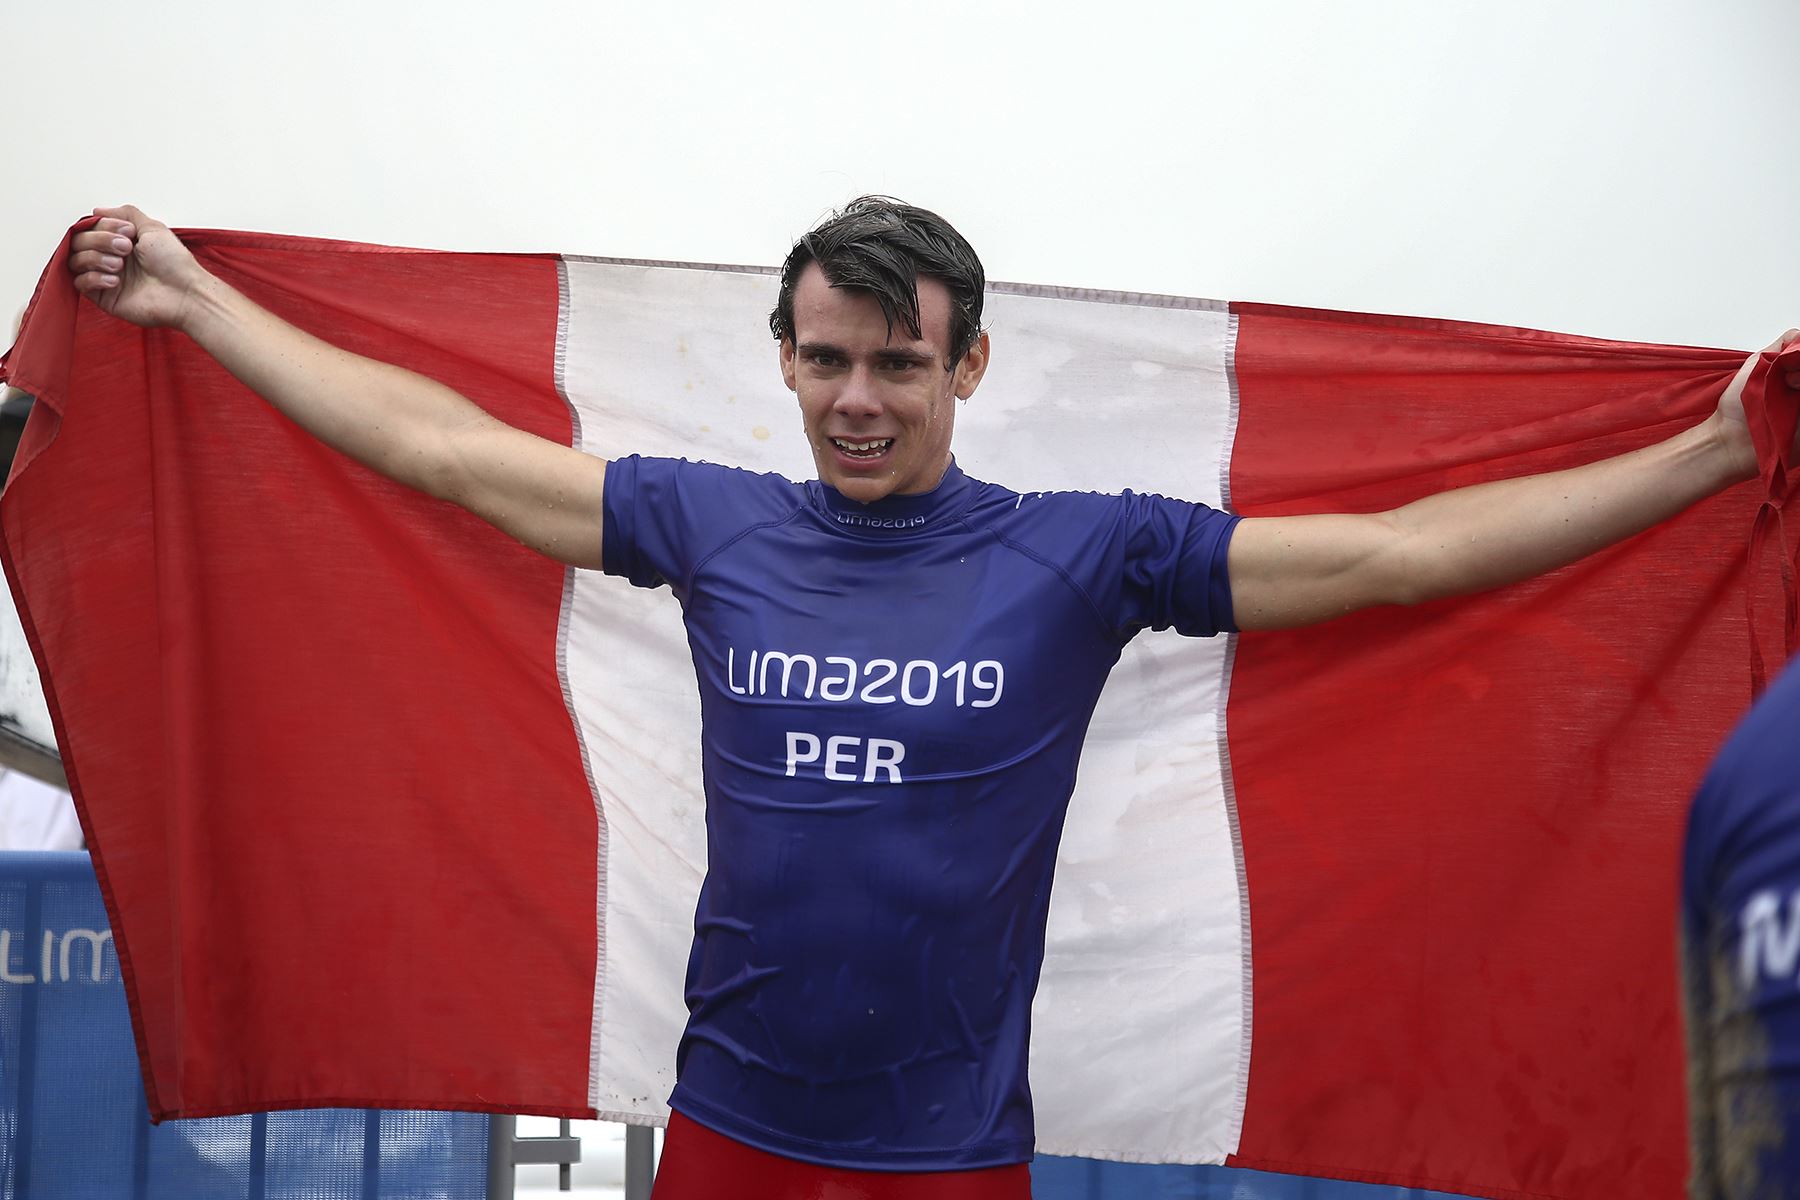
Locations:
(390, 811)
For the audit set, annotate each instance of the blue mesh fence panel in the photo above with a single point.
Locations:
(73, 1123)
(1085, 1179)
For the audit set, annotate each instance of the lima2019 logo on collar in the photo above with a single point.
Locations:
(879, 522)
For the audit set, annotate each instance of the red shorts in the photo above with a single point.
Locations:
(698, 1164)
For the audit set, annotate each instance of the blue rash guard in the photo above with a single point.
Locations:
(894, 699)
(1741, 957)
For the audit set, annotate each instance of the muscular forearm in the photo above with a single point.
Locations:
(391, 420)
(1498, 533)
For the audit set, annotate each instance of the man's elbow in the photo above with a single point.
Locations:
(452, 467)
(1396, 570)
(1422, 578)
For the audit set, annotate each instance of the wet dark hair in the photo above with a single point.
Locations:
(879, 245)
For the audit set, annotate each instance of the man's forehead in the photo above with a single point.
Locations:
(818, 303)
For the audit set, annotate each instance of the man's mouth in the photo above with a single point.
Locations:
(870, 449)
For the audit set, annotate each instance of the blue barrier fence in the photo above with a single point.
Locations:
(73, 1121)
(1084, 1179)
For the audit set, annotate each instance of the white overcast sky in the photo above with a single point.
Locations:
(1626, 170)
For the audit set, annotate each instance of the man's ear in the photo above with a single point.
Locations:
(787, 363)
(973, 366)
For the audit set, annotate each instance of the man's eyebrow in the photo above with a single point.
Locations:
(883, 355)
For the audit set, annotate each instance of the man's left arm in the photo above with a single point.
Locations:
(1292, 571)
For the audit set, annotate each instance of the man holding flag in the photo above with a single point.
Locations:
(870, 932)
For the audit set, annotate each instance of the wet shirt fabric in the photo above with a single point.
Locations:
(894, 698)
(1741, 957)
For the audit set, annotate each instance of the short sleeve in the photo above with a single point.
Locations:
(1173, 573)
(664, 516)
(1142, 561)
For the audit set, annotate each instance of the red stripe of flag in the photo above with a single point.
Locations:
(345, 690)
(1461, 821)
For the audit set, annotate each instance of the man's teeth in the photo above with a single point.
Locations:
(875, 447)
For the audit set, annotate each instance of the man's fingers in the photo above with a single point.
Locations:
(127, 220)
(114, 240)
(101, 241)
(97, 255)
(129, 213)
(96, 260)
(89, 283)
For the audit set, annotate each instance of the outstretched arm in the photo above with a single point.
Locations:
(1293, 571)
(399, 423)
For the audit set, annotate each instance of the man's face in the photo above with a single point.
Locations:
(878, 409)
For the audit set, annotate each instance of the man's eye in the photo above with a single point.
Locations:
(901, 364)
(824, 360)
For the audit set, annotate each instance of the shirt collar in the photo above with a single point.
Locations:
(896, 514)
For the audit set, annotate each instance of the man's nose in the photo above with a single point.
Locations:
(860, 396)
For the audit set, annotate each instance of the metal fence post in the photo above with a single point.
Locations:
(640, 1161)
(500, 1160)
(506, 1149)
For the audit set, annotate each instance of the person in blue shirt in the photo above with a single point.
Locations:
(882, 812)
(1740, 943)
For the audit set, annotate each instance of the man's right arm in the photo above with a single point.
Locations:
(401, 424)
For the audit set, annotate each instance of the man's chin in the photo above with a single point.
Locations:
(864, 489)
